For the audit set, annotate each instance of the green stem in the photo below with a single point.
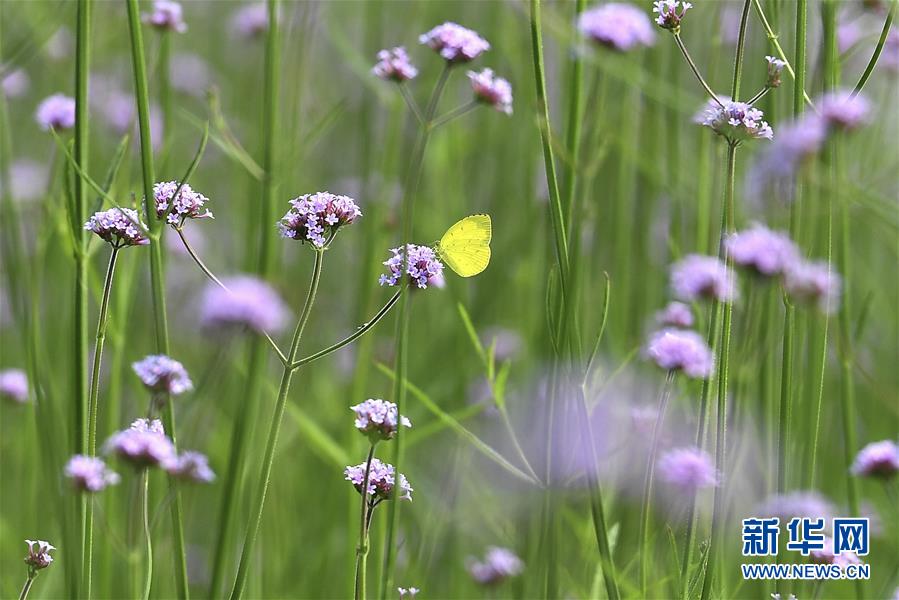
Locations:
(157, 278)
(884, 34)
(645, 512)
(145, 518)
(364, 519)
(798, 74)
(786, 395)
(165, 90)
(27, 587)
(574, 126)
(695, 69)
(454, 114)
(274, 430)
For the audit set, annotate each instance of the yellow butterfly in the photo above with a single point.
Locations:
(465, 246)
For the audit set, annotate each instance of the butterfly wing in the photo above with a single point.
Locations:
(465, 246)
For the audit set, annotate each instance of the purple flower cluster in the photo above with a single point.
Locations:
(492, 90)
(736, 121)
(498, 564)
(89, 473)
(697, 277)
(381, 479)
(878, 459)
(250, 21)
(764, 252)
(775, 68)
(144, 444)
(681, 350)
(38, 555)
(814, 283)
(669, 15)
(162, 374)
(14, 83)
(118, 226)
(394, 65)
(688, 469)
(190, 466)
(187, 205)
(317, 217)
(14, 385)
(378, 419)
(675, 314)
(843, 110)
(617, 26)
(166, 16)
(456, 44)
(423, 267)
(56, 112)
(247, 302)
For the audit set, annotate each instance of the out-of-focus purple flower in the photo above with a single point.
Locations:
(764, 252)
(697, 277)
(118, 226)
(394, 65)
(317, 217)
(14, 385)
(492, 90)
(848, 34)
(506, 343)
(643, 419)
(889, 57)
(676, 314)
(816, 283)
(381, 479)
(144, 444)
(456, 44)
(877, 459)
(38, 555)
(89, 473)
(424, 268)
(56, 112)
(842, 110)
(378, 419)
(28, 179)
(796, 504)
(688, 469)
(190, 74)
(187, 205)
(617, 26)
(498, 565)
(250, 21)
(796, 142)
(159, 373)
(410, 592)
(166, 16)
(15, 83)
(736, 121)
(190, 466)
(681, 350)
(248, 302)
(826, 555)
(669, 14)
(775, 68)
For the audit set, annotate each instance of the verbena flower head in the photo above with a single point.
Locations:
(378, 419)
(248, 302)
(735, 121)
(617, 26)
(166, 16)
(118, 226)
(775, 68)
(827, 556)
(250, 21)
(764, 252)
(160, 373)
(681, 350)
(394, 65)
(56, 112)
(456, 44)
(38, 555)
(498, 565)
(381, 480)
(410, 592)
(424, 268)
(316, 217)
(190, 466)
(814, 283)
(697, 277)
(796, 142)
(676, 314)
(688, 469)
(14, 385)
(144, 444)
(670, 12)
(89, 473)
(878, 459)
(843, 111)
(15, 83)
(492, 90)
(187, 205)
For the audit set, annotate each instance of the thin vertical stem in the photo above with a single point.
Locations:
(157, 275)
(165, 86)
(274, 430)
(786, 395)
(573, 128)
(364, 520)
(145, 519)
(27, 587)
(878, 50)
